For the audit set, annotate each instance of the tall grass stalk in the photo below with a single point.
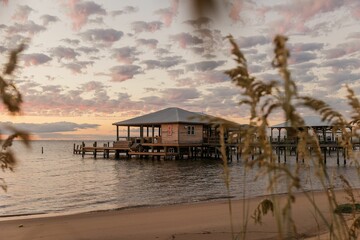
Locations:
(264, 99)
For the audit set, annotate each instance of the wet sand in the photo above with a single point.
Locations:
(205, 220)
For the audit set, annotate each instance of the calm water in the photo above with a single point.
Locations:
(59, 182)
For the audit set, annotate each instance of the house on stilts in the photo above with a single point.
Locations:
(283, 137)
(172, 132)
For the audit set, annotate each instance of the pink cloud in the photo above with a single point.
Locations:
(124, 72)
(35, 59)
(167, 14)
(355, 11)
(22, 13)
(235, 10)
(5, 2)
(186, 39)
(296, 14)
(80, 12)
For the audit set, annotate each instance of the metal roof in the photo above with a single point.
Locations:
(168, 115)
(310, 121)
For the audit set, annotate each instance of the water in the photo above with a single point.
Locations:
(59, 182)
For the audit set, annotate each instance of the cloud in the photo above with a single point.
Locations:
(22, 13)
(88, 50)
(355, 10)
(49, 19)
(141, 26)
(162, 51)
(335, 81)
(125, 55)
(179, 95)
(343, 49)
(150, 43)
(354, 35)
(204, 78)
(302, 47)
(296, 14)
(174, 74)
(102, 36)
(78, 66)
(64, 52)
(342, 64)
(71, 41)
(54, 127)
(167, 14)
(125, 10)
(29, 27)
(92, 86)
(186, 39)
(124, 72)
(80, 12)
(199, 22)
(56, 100)
(35, 59)
(163, 63)
(299, 57)
(3, 49)
(235, 10)
(248, 42)
(204, 66)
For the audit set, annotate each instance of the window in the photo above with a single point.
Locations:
(191, 130)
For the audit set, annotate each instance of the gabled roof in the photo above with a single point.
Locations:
(168, 115)
(310, 121)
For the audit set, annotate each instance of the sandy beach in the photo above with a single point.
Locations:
(205, 220)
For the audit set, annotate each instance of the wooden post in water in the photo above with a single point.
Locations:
(284, 154)
(74, 149)
(337, 156)
(95, 145)
(82, 149)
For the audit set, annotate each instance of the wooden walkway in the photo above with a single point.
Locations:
(158, 150)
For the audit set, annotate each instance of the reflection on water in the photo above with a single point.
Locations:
(58, 181)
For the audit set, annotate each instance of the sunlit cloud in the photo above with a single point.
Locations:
(167, 14)
(102, 36)
(141, 26)
(150, 43)
(125, 10)
(22, 13)
(35, 59)
(125, 55)
(186, 39)
(124, 72)
(80, 12)
(49, 19)
(64, 53)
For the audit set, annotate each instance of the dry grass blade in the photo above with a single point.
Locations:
(264, 207)
(13, 60)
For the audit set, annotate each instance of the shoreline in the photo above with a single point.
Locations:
(74, 212)
(208, 200)
(199, 220)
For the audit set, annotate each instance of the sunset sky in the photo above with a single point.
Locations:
(91, 63)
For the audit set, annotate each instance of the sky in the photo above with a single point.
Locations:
(89, 64)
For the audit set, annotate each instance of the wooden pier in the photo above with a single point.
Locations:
(126, 149)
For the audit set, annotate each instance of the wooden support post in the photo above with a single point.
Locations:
(337, 156)
(74, 151)
(117, 154)
(324, 149)
(345, 156)
(117, 133)
(284, 154)
(83, 150)
(278, 153)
